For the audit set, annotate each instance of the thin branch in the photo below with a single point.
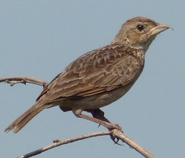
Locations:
(115, 133)
(119, 135)
(62, 142)
(23, 79)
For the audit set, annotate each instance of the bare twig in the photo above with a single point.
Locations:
(115, 133)
(22, 79)
(62, 142)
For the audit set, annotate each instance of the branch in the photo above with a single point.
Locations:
(119, 135)
(115, 133)
(22, 79)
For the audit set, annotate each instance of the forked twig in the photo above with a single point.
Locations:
(22, 79)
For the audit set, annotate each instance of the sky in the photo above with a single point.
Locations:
(40, 38)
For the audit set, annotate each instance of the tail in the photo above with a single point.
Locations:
(21, 121)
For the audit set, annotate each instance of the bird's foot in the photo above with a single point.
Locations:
(112, 126)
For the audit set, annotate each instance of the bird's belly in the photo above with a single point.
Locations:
(96, 101)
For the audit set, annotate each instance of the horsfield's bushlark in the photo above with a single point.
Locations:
(99, 77)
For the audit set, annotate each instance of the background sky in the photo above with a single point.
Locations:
(40, 38)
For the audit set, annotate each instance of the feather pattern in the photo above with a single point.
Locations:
(95, 72)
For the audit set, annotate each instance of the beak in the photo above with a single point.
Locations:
(158, 29)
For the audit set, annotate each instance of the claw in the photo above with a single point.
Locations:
(116, 140)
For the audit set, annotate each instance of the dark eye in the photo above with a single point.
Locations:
(140, 27)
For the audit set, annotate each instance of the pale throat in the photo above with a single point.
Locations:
(142, 46)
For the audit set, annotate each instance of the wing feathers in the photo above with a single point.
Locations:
(95, 72)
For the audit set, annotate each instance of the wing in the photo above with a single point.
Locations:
(95, 72)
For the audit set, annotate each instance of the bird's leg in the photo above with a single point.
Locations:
(99, 114)
(106, 123)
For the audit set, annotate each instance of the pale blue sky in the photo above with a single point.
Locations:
(40, 38)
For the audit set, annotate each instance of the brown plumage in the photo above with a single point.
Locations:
(99, 77)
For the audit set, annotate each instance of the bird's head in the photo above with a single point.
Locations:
(139, 32)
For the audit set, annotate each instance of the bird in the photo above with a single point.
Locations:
(99, 77)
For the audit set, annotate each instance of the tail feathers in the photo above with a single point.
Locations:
(21, 121)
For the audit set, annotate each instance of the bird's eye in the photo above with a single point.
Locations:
(140, 27)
